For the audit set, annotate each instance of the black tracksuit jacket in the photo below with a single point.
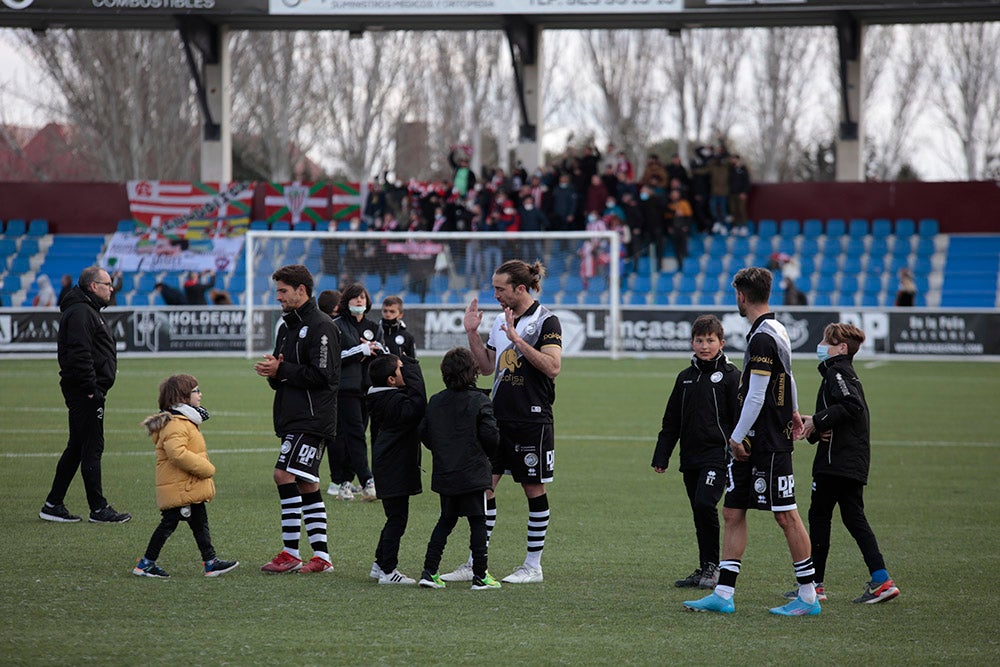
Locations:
(702, 411)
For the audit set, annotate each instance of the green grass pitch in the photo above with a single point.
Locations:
(620, 534)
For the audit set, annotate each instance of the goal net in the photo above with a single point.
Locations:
(435, 273)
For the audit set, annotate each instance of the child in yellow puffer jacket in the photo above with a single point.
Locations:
(183, 474)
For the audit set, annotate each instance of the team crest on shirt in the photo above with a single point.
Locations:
(760, 485)
(529, 328)
(716, 377)
(399, 340)
(531, 460)
(286, 447)
(303, 331)
(368, 334)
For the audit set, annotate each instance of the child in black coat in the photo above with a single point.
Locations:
(396, 403)
(461, 431)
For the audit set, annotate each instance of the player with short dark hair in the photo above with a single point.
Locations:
(304, 372)
(761, 476)
(841, 426)
(524, 352)
(701, 411)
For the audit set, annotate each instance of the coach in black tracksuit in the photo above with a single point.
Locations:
(701, 411)
(88, 364)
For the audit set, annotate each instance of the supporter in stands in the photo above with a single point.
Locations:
(793, 295)
(46, 296)
(463, 178)
(907, 294)
(220, 297)
(197, 285)
(701, 188)
(590, 161)
(532, 220)
(680, 225)
(654, 212)
(654, 174)
(597, 195)
(610, 182)
(564, 205)
(171, 295)
(624, 169)
(739, 192)
(633, 220)
(67, 284)
(116, 286)
(677, 172)
(718, 201)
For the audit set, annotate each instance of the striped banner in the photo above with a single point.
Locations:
(297, 202)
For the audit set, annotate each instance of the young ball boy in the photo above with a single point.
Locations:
(841, 428)
(462, 434)
(397, 339)
(396, 404)
(702, 411)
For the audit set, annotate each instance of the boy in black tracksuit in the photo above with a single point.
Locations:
(462, 433)
(702, 411)
(392, 329)
(841, 427)
(396, 403)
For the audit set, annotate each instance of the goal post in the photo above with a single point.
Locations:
(434, 270)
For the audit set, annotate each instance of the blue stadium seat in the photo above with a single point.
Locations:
(822, 299)
(691, 267)
(145, 283)
(641, 283)
(899, 262)
(8, 247)
(21, 264)
(281, 226)
(923, 265)
(683, 299)
(665, 282)
(848, 299)
(790, 228)
(876, 264)
(295, 250)
(767, 228)
(879, 246)
(38, 227)
(905, 227)
(855, 246)
(322, 226)
(835, 227)
(872, 284)
(826, 283)
(851, 265)
(16, 227)
(710, 282)
(302, 226)
(848, 284)
(812, 228)
(718, 248)
(258, 226)
(809, 247)
(11, 283)
(786, 244)
(713, 266)
(642, 266)
(928, 227)
(807, 264)
(637, 298)
(741, 246)
(597, 284)
(593, 298)
(902, 246)
(727, 297)
(126, 226)
(804, 283)
(706, 298)
(871, 299)
(925, 246)
(858, 227)
(238, 283)
(881, 227)
(688, 284)
(661, 298)
(829, 265)
(372, 282)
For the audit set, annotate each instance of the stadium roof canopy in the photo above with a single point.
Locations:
(373, 15)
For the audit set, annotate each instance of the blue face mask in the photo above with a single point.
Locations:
(822, 352)
(643, 196)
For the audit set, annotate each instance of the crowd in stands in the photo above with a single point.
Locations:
(581, 190)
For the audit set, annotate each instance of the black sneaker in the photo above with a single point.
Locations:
(57, 513)
(107, 514)
(148, 568)
(690, 581)
(217, 566)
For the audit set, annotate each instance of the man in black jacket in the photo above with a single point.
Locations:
(841, 427)
(304, 372)
(88, 363)
(701, 412)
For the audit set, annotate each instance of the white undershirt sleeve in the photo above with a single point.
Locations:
(795, 394)
(752, 404)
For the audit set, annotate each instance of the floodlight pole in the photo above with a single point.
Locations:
(850, 140)
(213, 83)
(525, 53)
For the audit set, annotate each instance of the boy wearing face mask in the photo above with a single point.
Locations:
(392, 330)
(841, 429)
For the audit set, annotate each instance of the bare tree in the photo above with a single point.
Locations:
(784, 77)
(362, 93)
(631, 97)
(967, 76)
(901, 52)
(128, 94)
(274, 116)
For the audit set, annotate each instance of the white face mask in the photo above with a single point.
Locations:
(529, 207)
(356, 310)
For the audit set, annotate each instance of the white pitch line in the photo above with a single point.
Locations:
(587, 438)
